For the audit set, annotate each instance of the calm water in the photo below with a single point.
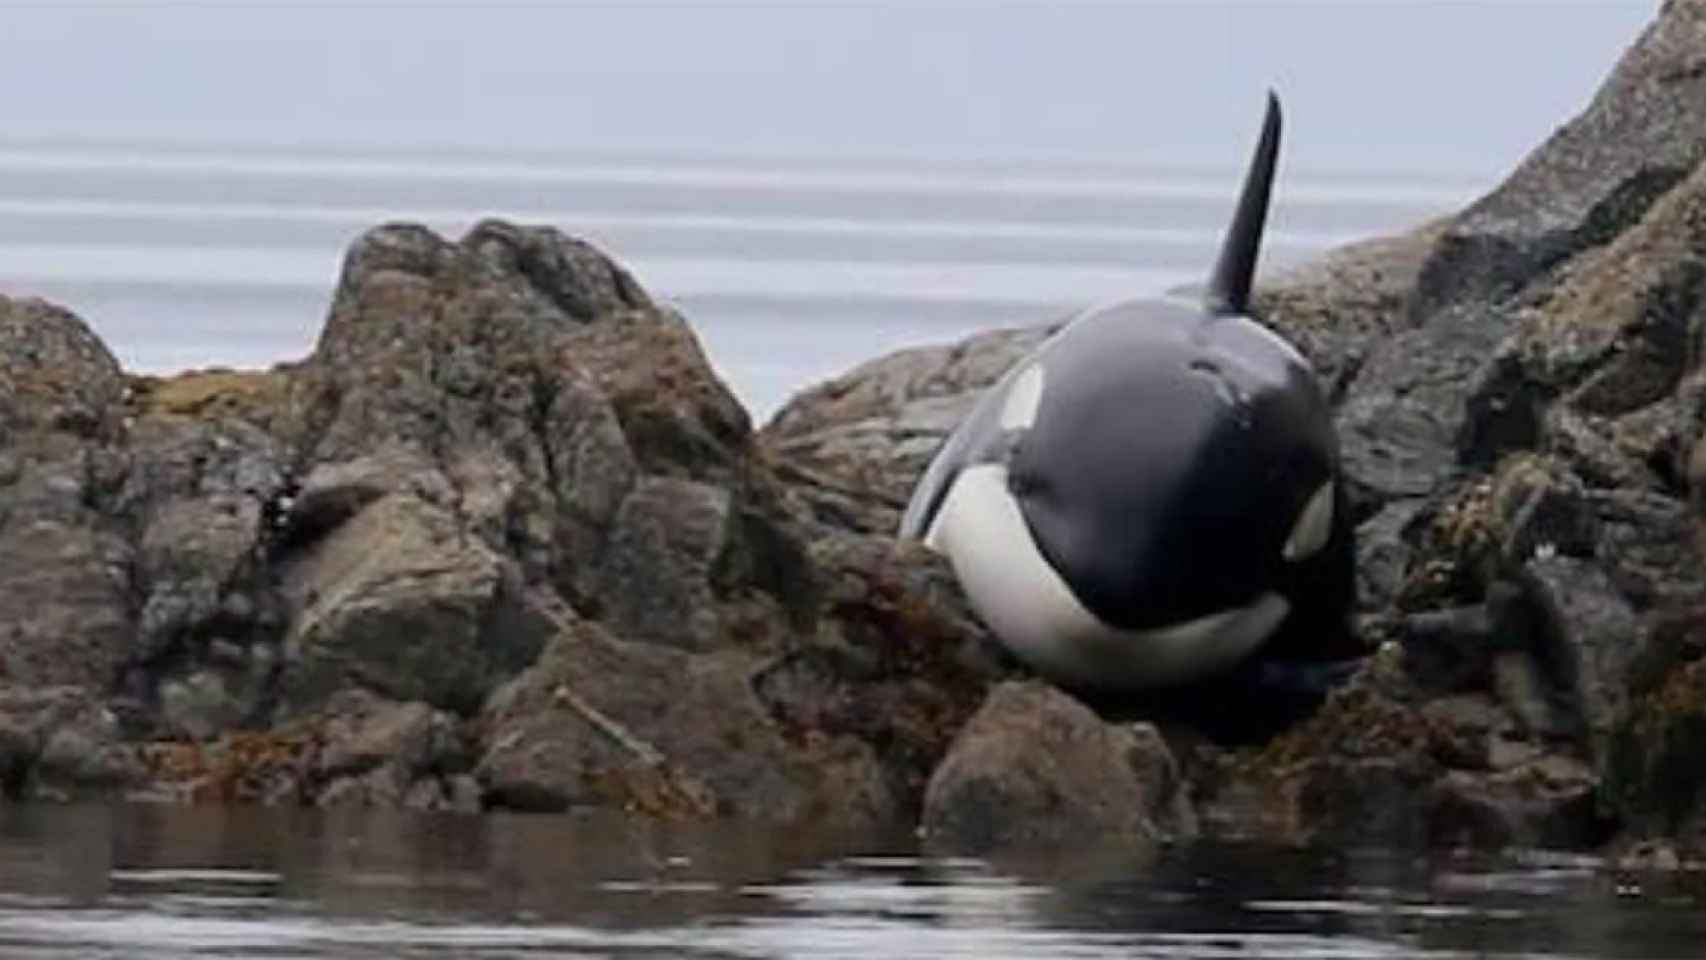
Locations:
(791, 269)
(143, 882)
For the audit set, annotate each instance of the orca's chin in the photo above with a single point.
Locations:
(1037, 616)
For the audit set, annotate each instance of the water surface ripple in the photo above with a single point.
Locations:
(167, 883)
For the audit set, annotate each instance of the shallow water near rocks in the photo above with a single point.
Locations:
(160, 882)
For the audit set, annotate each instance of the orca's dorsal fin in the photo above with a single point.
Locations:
(1228, 292)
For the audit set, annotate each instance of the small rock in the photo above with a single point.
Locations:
(199, 706)
(1035, 768)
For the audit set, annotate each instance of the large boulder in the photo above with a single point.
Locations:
(527, 389)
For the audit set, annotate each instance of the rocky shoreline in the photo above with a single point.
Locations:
(503, 540)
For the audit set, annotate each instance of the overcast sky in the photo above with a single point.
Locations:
(1470, 84)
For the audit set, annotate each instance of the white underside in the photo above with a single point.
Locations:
(1025, 602)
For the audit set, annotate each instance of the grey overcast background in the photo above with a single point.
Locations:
(1459, 85)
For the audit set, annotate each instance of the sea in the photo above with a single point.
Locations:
(170, 883)
(790, 268)
(812, 185)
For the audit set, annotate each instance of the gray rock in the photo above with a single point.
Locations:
(378, 753)
(655, 580)
(443, 374)
(199, 706)
(897, 660)
(192, 552)
(1594, 640)
(333, 492)
(1550, 803)
(60, 743)
(1035, 769)
(59, 384)
(1647, 546)
(64, 601)
(855, 445)
(1340, 306)
(652, 729)
(1383, 553)
(1654, 780)
(403, 601)
(1403, 419)
(1641, 134)
(64, 569)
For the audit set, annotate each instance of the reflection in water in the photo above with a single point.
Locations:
(167, 882)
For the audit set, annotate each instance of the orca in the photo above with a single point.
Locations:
(1153, 497)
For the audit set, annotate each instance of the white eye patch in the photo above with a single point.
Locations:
(1019, 410)
(1314, 526)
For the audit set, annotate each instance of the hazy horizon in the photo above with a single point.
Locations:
(1407, 79)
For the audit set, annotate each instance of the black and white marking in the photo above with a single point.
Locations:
(1151, 497)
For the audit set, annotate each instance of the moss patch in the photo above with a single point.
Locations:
(252, 395)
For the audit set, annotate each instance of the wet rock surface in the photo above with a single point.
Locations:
(503, 540)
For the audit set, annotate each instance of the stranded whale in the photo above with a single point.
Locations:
(1152, 497)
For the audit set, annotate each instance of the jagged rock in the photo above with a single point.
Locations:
(438, 363)
(1647, 546)
(200, 493)
(655, 579)
(191, 551)
(1384, 553)
(1655, 780)
(897, 662)
(60, 743)
(64, 598)
(406, 602)
(638, 726)
(1593, 639)
(1384, 763)
(1035, 768)
(64, 569)
(59, 384)
(1550, 804)
(1402, 423)
(526, 384)
(200, 706)
(1594, 177)
(1335, 309)
(377, 753)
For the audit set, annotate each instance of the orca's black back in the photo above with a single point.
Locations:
(1169, 460)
